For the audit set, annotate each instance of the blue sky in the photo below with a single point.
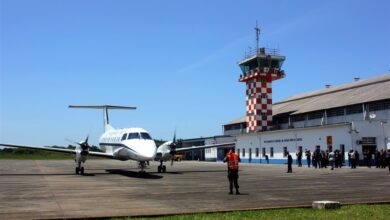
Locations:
(175, 60)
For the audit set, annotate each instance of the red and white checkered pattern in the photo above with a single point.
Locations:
(259, 97)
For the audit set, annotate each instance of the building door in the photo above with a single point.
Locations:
(250, 155)
(370, 149)
(342, 149)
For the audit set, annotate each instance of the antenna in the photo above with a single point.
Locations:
(257, 29)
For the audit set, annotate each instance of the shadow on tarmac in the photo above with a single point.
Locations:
(38, 174)
(196, 171)
(133, 174)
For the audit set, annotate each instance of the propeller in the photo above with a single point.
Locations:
(83, 145)
(173, 146)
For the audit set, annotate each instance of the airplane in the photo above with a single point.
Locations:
(123, 144)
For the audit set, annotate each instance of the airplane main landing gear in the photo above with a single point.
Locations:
(161, 168)
(80, 170)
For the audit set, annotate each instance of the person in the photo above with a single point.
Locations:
(308, 157)
(349, 158)
(377, 158)
(337, 159)
(299, 158)
(331, 158)
(314, 159)
(357, 158)
(388, 158)
(266, 158)
(289, 162)
(352, 155)
(232, 160)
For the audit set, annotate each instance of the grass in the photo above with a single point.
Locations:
(347, 212)
(30, 154)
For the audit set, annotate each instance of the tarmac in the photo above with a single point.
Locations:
(49, 189)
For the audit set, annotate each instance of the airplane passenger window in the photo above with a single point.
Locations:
(145, 136)
(133, 136)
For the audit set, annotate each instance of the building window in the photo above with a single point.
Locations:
(300, 117)
(257, 152)
(379, 105)
(263, 152)
(315, 115)
(271, 152)
(353, 109)
(284, 151)
(243, 152)
(335, 112)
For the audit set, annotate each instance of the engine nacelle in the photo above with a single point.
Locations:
(164, 152)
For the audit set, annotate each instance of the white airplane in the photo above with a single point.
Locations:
(123, 144)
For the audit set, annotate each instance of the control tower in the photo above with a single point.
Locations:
(259, 68)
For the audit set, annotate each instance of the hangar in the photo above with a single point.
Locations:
(354, 116)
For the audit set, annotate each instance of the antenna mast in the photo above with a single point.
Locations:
(257, 29)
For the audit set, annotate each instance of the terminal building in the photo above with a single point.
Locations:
(352, 116)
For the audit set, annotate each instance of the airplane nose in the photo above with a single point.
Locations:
(152, 149)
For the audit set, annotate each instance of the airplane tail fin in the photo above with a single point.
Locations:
(105, 108)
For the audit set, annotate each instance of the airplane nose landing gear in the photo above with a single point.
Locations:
(142, 165)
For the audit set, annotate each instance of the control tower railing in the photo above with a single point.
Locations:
(261, 51)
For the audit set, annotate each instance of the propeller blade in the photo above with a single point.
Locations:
(86, 140)
(71, 141)
(174, 137)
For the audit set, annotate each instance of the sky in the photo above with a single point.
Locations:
(176, 61)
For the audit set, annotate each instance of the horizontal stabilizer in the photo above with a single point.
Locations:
(103, 107)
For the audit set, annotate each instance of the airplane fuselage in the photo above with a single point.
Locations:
(128, 144)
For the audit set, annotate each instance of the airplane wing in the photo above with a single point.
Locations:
(225, 145)
(61, 150)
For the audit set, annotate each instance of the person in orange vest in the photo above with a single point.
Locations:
(232, 160)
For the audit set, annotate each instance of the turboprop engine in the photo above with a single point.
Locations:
(82, 151)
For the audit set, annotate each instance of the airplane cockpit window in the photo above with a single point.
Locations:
(133, 136)
(145, 136)
(124, 137)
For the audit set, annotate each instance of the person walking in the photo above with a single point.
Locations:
(289, 162)
(232, 159)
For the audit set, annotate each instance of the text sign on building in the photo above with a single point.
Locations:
(283, 140)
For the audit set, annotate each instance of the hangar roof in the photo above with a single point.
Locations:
(362, 91)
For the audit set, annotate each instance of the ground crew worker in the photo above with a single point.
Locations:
(232, 160)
